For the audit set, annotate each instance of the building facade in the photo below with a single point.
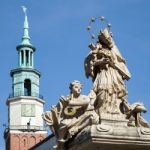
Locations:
(49, 143)
(25, 104)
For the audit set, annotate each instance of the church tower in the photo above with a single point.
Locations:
(25, 104)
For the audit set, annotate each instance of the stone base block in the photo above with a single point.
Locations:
(111, 137)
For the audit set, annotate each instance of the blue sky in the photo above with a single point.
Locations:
(58, 31)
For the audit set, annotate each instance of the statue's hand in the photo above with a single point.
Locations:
(90, 107)
(107, 60)
(101, 61)
(92, 97)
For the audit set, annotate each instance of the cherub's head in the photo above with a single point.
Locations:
(75, 87)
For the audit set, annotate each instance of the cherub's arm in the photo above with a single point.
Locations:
(83, 102)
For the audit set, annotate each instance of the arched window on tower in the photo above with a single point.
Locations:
(27, 87)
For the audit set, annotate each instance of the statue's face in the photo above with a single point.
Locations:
(76, 89)
(105, 38)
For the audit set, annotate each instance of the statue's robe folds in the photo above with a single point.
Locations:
(108, 79)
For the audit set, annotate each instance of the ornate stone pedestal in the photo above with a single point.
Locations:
(111, 135)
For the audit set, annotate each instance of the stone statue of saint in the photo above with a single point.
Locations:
(72, 114)
(108, 70)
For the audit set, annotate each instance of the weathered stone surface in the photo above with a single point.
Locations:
(114, 137)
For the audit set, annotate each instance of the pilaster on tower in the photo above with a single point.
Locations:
(25, 104)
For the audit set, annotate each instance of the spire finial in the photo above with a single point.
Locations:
(24, 10)
(25, 38)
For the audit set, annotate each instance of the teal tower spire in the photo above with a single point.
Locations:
(25, 48)
(26, 38)
(25, 77)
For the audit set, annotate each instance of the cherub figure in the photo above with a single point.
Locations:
(72, 114)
